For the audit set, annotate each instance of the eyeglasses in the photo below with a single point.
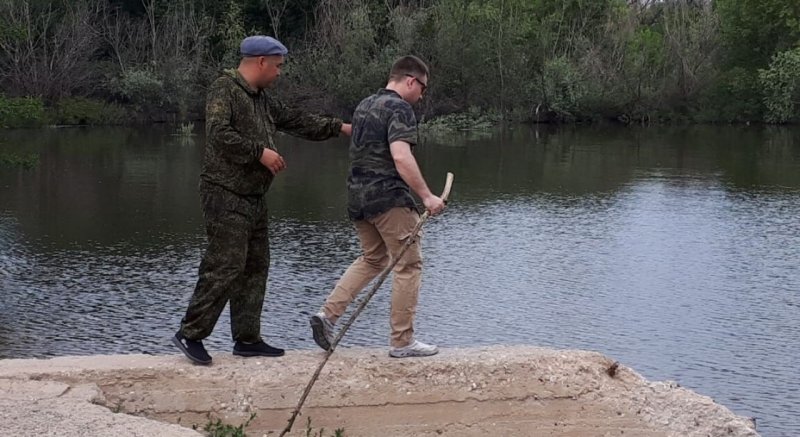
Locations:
(422, 84)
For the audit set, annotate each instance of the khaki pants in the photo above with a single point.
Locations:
(382, 237)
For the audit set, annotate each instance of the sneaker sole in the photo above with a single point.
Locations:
(257, 354)
(318, 331)
(413, 355)
(183, 349)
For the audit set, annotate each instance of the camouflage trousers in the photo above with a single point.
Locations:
(234, 266)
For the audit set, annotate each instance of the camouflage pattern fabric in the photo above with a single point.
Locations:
(240, 123)
(374, 186)
(234, 267)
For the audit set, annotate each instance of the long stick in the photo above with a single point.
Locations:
(445, 194)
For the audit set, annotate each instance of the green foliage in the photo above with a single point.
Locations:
(358, 45)
(230, 32)
(781, 87)
(482, 54)
(754, 30)
(347, 62)
(472, 120)
(25, 161)
(86, 111)
(143, 88)
(408, 27)
(216, 428)
(21, 112)
(339, 432)
(538, 60)
(563, 88)
(735, 97)
(644, 63)
(759, 36)
(567, 24)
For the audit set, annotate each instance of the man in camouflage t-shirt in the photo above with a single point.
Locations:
(241, 160)
(383, 172)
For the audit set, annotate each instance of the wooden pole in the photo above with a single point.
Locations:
(445, 194)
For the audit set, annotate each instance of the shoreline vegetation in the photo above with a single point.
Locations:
(110, 62)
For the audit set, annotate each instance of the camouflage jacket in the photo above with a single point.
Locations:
(240, 122)
(374, 186)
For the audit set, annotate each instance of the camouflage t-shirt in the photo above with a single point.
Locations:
(240, 123)
(374, 186)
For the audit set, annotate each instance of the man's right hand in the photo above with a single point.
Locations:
(272, 160)
(434, 204)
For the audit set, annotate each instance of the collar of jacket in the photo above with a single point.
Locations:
(239, 79)
(385, 91)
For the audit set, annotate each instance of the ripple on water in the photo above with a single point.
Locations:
(682, 279)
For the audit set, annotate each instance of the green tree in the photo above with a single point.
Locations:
(781, 86)
(754, 30)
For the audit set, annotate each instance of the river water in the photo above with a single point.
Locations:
(673, 250)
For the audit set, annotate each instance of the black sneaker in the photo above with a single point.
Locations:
(258, 349)
(194, 350)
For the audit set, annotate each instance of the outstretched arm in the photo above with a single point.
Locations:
(303, 124)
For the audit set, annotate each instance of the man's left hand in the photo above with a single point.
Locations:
(347, 129)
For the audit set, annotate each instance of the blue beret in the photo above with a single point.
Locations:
(262, 46)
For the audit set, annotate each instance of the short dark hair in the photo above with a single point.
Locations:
(408, 65)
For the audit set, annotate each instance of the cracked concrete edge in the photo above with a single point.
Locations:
(31, 403)
(40, 408)
(667, 405)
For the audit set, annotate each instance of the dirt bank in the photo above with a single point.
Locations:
(497, 391)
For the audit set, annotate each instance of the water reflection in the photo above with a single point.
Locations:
(672, 250)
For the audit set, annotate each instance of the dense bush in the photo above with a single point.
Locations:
(781, 86)
(21, 112)
(85, 111)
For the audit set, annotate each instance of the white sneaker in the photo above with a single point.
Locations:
(322, 330)
(415, 349)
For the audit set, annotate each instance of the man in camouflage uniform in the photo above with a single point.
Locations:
(241, 160)
(383, 172)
